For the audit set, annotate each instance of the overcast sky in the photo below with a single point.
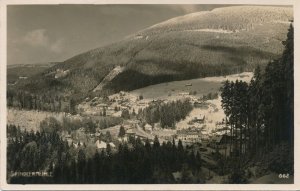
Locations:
(46, 33)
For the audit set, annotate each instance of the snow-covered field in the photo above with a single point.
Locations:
(213, 30)
(245, 76)
(213, 114)
(166, 91)
(30, 120)
(176, 89)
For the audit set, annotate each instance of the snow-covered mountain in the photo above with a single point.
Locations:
(210, 43)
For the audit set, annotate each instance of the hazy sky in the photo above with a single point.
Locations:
(45, 33)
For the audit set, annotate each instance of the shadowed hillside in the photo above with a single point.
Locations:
(222, 41)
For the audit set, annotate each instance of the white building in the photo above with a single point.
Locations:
(148, 128)
(101, 144)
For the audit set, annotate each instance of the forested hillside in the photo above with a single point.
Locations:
(134, 162)
(261, 115)
(219, 42)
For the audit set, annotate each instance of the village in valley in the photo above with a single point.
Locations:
(203, 129)
(197, 97)
(203, 126)
(102, 124)
(194, 131)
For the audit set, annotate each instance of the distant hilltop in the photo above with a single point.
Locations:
(210, 43)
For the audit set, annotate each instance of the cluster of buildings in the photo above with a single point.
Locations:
(200, 120)
(189, 136)
(134, 129)
(61, 73)
(101, 145)
(114, 106)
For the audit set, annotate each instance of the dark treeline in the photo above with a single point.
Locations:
(185, 70)
(135, 162)
(43, 102)
(30, 151)
(166, 113)
(260, 114)
(210, 96)
(138, 163)
(89, 125)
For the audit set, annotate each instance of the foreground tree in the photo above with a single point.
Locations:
(261, 114)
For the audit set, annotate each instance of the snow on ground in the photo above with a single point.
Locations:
(175, 90)
(114, 131)
(30, 120)
(179, 89)
(282, 22)
(202, 86)
(112, 74)
(245, 76)
(213, 114)
(213, 30)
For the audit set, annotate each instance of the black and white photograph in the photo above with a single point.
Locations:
(148, 94)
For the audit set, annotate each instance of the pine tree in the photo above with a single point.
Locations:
(156, 144)
(122, 131)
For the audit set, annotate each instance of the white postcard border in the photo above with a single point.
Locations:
(3, 60)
